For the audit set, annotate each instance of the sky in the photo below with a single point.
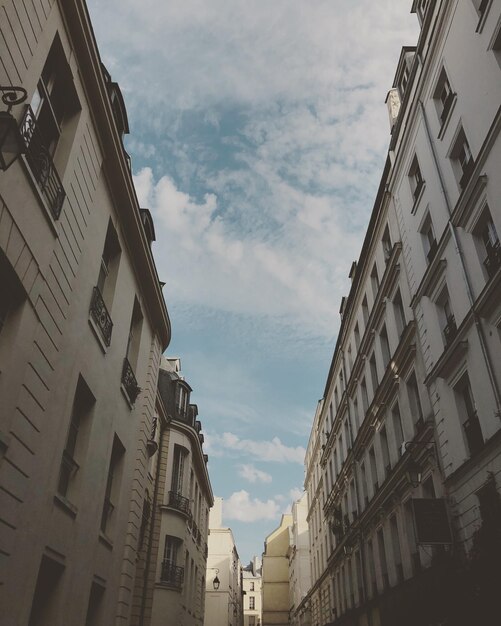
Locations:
(258, 133)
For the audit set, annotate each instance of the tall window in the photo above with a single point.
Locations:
(365, 311)
(374, 281)
(134, 339)
(489, 248)
(12, 292)
(399, 312)
(415, 401)
(356, 334)
(372, 568)
(428, 239)
(462, 159)
(385, 450)
(385, 346)
(397, 427)
(443, 97)
(415, 179)
(468, 414)
(365, 397)
(447, 319)
(178, 469)
(382, 558)
(372, 461)
(397, 552)
(94, 607)
(252, 603)
(112, 492)
(44, 607)
(387, 245)
(373, 371)
(76, 440)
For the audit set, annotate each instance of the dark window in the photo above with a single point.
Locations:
(448, 321)
(385, 346)
(113, 480)
(252, 603)
(415, 179)
(468, 415)
(178, 469)
(399, 312)
(94, 608)
(47, 592)
(415, 401)
(108, 269)
(387, 245)
(489, 246)
(385, 450)
(372, 568)
(356, 334)
(76, 440)
(462, 159)
(372, 461)
(490, 504)
(382, 558)
(443, 97)
(365, 311)
(397, 553)
(373, 371)
(397, 427)
(11, 290)
(429, 240)
(374, 281)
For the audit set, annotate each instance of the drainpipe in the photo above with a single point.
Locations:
(357, 493)
(152, 526)
(464, 273)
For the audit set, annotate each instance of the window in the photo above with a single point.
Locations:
(385, 450)
(76, 440)
(414, 401)
(94, 607)
(443, 97)
(350, 359)
(488, 239)
(481, 7)
(170, 572)
(411, 537)
(415, 179)
(365, 311)
(373, 371)
(46, 598)
(387, 245)
(347, 435)
(145, 520)
(177, 482)
(134, 338)
(468, 415)
(251, 586)
(397, 427)
(428, 239)
(252, 620)
(355, 412)
(252, 603)
(372, 461)
(365, 398)
(182, 400)
(397, 552)
(12, 292)
(112, 484)
(53, 113)
(399, 312)
(363, 486)
(374, 281)
(490, 504)
(372, 568)
(447, 319)
(385, 346)
(404, 79)
(462, 159)
(102, 297)
(382, 558)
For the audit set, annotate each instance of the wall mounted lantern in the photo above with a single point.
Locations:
(413, 473)
(216, 582)
(11, 142)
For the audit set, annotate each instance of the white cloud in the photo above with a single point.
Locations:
(263, 450)
(241, 507)
(253, 475)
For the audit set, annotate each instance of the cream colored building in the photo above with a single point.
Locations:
(224, 590)
(299, 564)
(83, 325)
(171, 581)
(408, 428)
(253, 596)
(276, 574)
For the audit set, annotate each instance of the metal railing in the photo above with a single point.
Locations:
(492, 262)
(172, 574)
(129, 381)
(179, 502)
(100, 315)
(41, 164)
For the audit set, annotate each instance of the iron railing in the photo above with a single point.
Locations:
(129, 381)
(172, 574)
(100, 315)
(179, 502)
(41, 164)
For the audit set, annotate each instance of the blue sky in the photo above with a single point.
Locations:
(258, 136)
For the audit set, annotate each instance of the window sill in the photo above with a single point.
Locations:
(105, 540)
(65, 505)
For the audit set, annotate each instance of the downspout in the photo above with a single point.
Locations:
(464, 273)
(152, 526)
(357, 492)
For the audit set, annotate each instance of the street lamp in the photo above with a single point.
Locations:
(413, 473)
(11, 142)
(216, 582)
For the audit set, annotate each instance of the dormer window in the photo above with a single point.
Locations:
(404, 79)
(182, 399)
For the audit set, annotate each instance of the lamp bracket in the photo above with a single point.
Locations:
(13, 95)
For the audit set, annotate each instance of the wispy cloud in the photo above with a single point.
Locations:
(263, 450)
(241, 507)
(253, 475)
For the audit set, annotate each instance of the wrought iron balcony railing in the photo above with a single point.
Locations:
(40, 161)
(450, 330)
(100, 315)
(172, 574)
(179, 502)
(129, 381)
(492, 262)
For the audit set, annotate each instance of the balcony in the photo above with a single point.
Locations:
(41, 165)
(450, 330)
(129, 381)
(172, 575)
(492, 262)
(179, 502)
(100, 316)
(473, 433)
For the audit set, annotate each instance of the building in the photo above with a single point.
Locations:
(83, 325)
(276, 574)
(172, 562)
(224, 588)
(252, 588)
(408, 428)
(299, 564)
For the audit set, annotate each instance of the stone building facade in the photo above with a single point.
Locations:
(252, 583)
(409, 425)
(82, 326)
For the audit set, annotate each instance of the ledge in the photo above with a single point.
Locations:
(105, 540)
(65, 505)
